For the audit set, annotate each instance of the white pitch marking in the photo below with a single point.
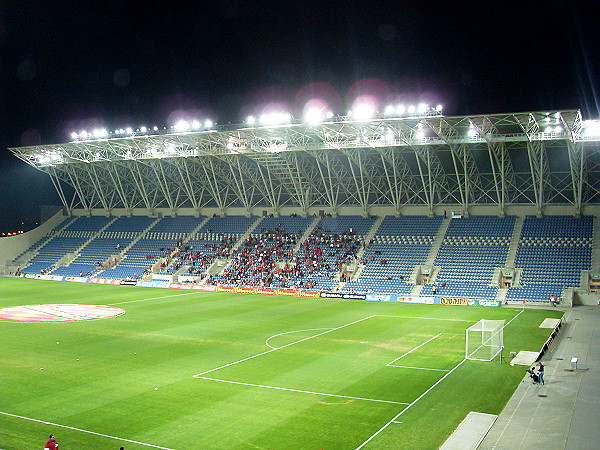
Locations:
(418, 368)
(152, 298)
(416, 348)
(290, 332)
(423, 318)
(283, 346)
(303, 392)
(83, 431)
(411, 405)
(393, 420)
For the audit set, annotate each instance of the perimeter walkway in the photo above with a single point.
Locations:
(564, 413)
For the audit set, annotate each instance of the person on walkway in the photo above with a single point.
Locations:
(541, 373)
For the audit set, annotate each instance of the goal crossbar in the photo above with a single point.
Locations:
(484, 340)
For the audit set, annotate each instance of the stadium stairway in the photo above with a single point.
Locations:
(24, 258)
(596, 246)
(437, 244)
(127, 247)
(514, 242)
(70, 257)
(309, 229)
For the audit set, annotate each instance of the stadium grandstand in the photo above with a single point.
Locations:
(489, 207)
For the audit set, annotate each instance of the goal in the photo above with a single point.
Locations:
(485, 340)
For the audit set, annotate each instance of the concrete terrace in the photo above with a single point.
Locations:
(563, 413)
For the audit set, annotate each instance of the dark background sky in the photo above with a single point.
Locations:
(71, 65)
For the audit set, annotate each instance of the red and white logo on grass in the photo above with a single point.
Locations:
(58, 312)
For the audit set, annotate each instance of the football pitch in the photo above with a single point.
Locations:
(182, 370)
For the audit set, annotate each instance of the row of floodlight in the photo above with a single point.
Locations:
(180, 126)
(361, 112)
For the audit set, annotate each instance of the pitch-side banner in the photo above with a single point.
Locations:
(458, 301)
(77, 279)
(343, 295)
(394, 298)
(105, 281)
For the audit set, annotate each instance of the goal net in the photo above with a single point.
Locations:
(485, 340)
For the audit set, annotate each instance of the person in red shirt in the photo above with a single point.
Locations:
(51, 444)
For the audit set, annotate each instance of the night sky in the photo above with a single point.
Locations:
(72, 65)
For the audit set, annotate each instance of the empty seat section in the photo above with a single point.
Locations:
(551, 254)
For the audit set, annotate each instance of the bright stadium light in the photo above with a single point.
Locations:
(74, 135)
(420, 134)
(400, 109)
(143, 129)
(208, 123)
(195, 124)
(364, 112)
(439, 108)
(411, 109)
(250, 120)
(472, 132)
(155, 128)
(558, 130)
(99, 132)
(548, 130)
(182, 125)
(389, 110)
(275, 118)
(423, 108)
(129, 130)
(83, 134)
(313, 115)
(329, 114)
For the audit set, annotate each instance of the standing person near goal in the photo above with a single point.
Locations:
(51, 444)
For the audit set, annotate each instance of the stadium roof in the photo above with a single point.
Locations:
(532, 158)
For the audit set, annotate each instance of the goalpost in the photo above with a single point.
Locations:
(485, 340)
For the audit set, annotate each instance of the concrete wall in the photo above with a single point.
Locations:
(11, 247)
(586, 298)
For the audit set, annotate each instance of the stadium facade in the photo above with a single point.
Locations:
(504, 165)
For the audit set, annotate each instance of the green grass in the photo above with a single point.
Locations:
(110, 390)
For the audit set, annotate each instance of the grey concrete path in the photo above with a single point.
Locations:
(565, 412)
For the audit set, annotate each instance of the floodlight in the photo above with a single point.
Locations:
(313, 115)
(250, 120)
(195, 124)
(129, 130)
(182, 125)
(389, 110)
(558, 130)
(74, 135)
(423, 108)
(411, 109)
(143, 129)
(83, 134)
(155, 128)
(420, 135)
(364, 112)
(548, 130)
(230, 145)
(472, 132)
(208, 123)
(439, 108)
(329, 114)
(400, 109)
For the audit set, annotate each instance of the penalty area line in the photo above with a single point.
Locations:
(83, 431)
(199, 375)
(302, 391)
(395, 418)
